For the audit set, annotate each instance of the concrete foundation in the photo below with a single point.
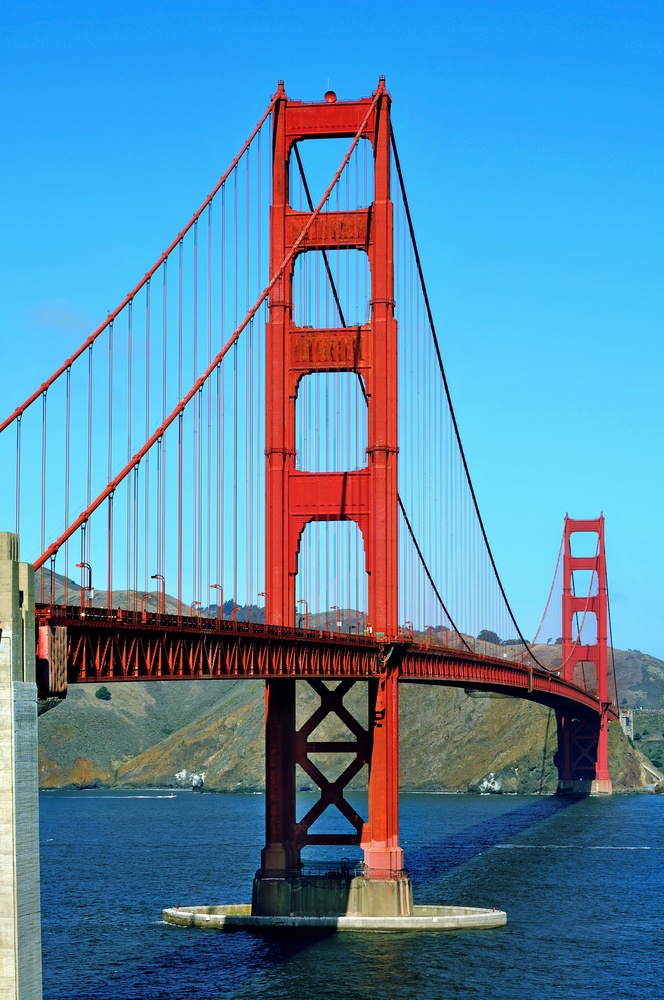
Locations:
(424, 918)
(585, 786)
(20, 912)
(331, 895)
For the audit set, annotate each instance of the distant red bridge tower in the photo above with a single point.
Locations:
(583, 748)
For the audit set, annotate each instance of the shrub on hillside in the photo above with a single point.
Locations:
(103, 693)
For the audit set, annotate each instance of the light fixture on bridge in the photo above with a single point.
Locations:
(86, 590)
(220, 602)
(162, 588)
(306, 611)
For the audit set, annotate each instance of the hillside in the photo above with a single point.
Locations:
(639, 677)
(149, 734)
(159, 733)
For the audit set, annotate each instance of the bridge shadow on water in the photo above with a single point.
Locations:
(201, 965)
(431, 861)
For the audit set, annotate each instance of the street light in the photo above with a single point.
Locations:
(306, 611)
(88, 589)
(142, 608)
(220, 602)
(263, 594)
(236, 608)
(162, 589)
(430, 629)
(194, 604)
(333, 607)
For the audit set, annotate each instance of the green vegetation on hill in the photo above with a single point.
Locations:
(649, 735)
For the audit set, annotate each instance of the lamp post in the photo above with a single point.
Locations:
(194, 604)
(234, 611)
(263, 594)
(142, 608)
(430, 630)
(86, 590)
(162, 591)
(306, 611)
(333, 607)
(220, 602)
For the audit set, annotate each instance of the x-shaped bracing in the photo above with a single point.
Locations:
(331, 792)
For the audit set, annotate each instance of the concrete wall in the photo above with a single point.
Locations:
(20, 911)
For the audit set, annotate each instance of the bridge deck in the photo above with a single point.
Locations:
(118, 645)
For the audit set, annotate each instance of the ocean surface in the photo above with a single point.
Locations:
(582, 883)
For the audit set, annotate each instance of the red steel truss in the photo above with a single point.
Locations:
(97, 646)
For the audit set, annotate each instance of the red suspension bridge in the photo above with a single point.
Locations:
(256, 454)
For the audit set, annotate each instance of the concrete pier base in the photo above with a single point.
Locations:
(333, 894)
(423, 919)
(20, 912)
(585, 786)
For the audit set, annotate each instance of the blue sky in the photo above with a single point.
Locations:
(531, 137)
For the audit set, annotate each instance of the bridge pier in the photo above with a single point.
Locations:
(20, 908)
(581, 758)
(379, 887)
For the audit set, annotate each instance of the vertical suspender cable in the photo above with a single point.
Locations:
(179, 513)
(18, 474)
(161, 527)
(86, 557)
(220, 407)
(130, 333)
(43, 490)
(208, 518)
(67, 474)
(146, 513)
(235, 384)
(109, 467)
(195, 432)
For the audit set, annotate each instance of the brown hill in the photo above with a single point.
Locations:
(449, 741)
(159, 733)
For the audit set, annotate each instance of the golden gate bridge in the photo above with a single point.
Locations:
(264, 423)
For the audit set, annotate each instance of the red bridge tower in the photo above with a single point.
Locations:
(367, 496)
(583, 749)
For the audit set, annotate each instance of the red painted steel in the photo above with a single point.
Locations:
(118, 645)
(367, 497)
(574, 738)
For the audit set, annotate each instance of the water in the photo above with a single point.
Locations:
(582, 884)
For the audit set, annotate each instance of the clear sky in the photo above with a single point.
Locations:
(532, 141)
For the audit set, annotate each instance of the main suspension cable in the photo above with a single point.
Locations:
(449, 399)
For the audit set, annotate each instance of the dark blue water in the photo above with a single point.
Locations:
(582, 884)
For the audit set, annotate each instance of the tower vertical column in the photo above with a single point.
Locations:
(20, 911)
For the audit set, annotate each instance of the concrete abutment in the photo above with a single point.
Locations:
(20, 908)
